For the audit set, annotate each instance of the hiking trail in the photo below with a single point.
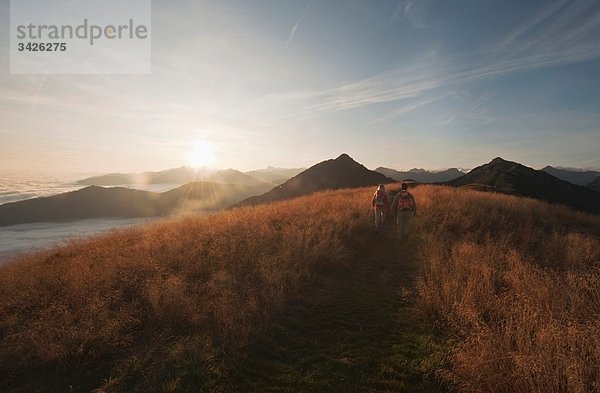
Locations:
(352, 330)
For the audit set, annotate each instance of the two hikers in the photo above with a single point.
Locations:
(403, 205)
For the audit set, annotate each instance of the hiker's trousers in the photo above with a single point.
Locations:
(379, 217)
(403, 220)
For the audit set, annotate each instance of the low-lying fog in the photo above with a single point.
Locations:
(16, 239)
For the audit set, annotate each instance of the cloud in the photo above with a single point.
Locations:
(548, 10)
(297, 24)
(558, 34)
(558, 26)
(416, 12)
(292, 35)
(411, 106)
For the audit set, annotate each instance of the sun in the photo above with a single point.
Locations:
(202, 153)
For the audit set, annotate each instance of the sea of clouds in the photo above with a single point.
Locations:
(16, 239)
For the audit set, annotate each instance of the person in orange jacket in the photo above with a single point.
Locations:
(406, 207)
(380, 205)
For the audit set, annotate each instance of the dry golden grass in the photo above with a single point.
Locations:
(518, 281)
(136, 302)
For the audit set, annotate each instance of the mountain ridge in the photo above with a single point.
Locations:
(516, 179)
(96, 202)
(341, 172)
(578, 177)
(421, 175)
(183, 174)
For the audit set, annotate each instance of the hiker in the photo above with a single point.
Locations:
(380, 205)
(405, 207)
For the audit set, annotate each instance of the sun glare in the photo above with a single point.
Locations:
(203, 153)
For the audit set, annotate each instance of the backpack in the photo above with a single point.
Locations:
(380, 198)
(405, 202)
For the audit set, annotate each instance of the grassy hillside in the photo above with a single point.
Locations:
(138, 305)
(518, 282)
(302, 296)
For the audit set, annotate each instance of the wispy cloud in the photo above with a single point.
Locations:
(547, 11)
(297, 24)
(292, 34)
(471, 109)
(558, 26)
(413, 11)
(558, 34)
(411, 106)
(396, 85)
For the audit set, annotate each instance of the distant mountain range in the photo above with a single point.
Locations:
(512, 178)
(235, 188)
(581, 178)
(342, 172)
(95, 202)
(182, 175)
(421, 175)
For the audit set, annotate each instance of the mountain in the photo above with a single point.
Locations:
(183, 175)
(421, 175)
(112, 179)
(179, 175)
(342, 172)
(205, 196)
(581, 178)
(232, 176)
(512, 178)
(95, 202)
(89, 202)
(275, 175)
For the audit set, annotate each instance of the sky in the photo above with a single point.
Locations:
(250, 83)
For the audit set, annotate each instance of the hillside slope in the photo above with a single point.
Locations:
(339, 173)
(512, 178)
(595, 185)
(301, 295)
(517, 283)
(176, 305)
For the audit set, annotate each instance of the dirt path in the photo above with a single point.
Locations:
(352, 331)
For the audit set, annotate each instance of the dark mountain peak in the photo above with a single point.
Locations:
(575, 176)
(513, 178)
(342, 172)
(345, 157)
(498, 160)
